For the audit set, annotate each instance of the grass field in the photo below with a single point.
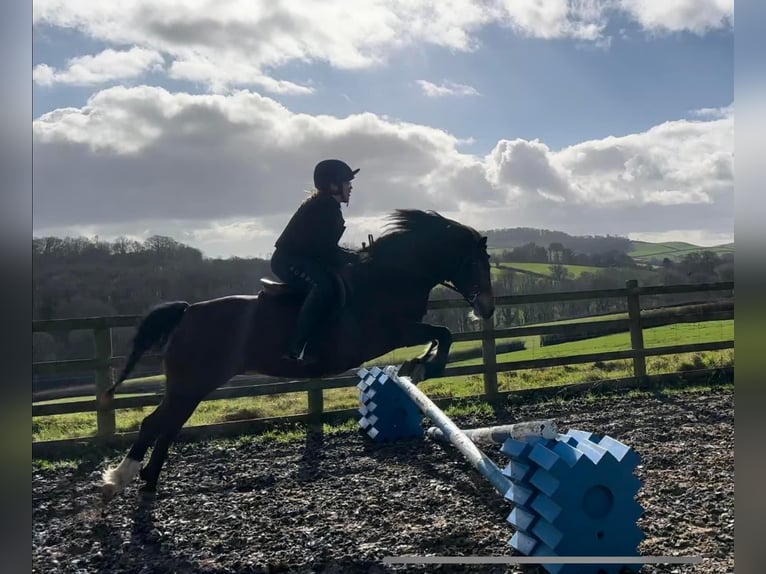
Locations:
(67, 426)
(644, 250)
(674, 250)
(641, 251)
(545, 268)
(575, 271)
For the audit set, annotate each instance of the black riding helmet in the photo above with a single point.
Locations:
(332, 171)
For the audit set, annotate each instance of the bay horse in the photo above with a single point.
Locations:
(208, 342)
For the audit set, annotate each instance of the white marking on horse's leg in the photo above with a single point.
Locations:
(117, 478)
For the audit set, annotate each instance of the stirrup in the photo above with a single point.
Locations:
(302, 357)
(291, 356)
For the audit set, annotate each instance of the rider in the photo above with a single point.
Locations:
(307, 254)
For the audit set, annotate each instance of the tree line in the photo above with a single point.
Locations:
(557, 253)
(82, 277)
(583, 244)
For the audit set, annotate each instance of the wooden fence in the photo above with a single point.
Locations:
(104, 363)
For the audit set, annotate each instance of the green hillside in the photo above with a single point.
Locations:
(509, 238)
(575, 271)
(545, 268)
(642, 251)
(673, 250)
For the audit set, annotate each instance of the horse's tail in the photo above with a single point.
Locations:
(153, 332)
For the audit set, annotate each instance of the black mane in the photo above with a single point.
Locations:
(407, 220)
(423, 238)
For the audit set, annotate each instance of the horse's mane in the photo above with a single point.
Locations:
(425, 238)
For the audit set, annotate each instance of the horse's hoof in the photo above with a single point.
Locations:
(431, 353)
(414, 369)
(406, 368)
(148, 492)
(418, 374)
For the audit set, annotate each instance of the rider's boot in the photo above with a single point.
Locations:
(313, 309)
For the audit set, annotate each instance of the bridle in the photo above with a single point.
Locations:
(473, 292)
(470, 298)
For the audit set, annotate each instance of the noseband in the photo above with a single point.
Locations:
(473, 292)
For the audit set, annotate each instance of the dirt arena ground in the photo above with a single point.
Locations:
(340, 504)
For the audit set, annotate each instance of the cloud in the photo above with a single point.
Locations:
(579, 19)
(104, 67)
(676, 196)
(677, 162)
(220, 78)
(233, 43)
(697, 16)
(713, 113)
(230, 165)
(221, 238)
(694, 236)
(446, 88)
(142, 152)
(523, 168)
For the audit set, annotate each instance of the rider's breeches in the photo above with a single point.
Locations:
(305, 274)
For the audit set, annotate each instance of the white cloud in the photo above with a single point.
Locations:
(676, 196)
(235, 166)
(219, 78)
(43, 75)
(230, 231)
(219, 238)
(522, 168)
(225, 43)
(236, 42)
(153, 153)
(701, 237)
(446, 88)
(678, 162)
(713, 113)
(103, 67)
(581, 19)
(698, 16)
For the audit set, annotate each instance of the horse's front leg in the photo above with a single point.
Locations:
(431, 363)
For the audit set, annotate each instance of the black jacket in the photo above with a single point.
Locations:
(315, 230)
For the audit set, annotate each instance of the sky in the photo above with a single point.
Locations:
(203, 119)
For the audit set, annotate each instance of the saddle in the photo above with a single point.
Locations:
(275, 287)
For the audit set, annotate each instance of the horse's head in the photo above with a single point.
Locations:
(471, 277)
(441, 251)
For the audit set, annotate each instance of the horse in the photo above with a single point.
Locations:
(208, 342)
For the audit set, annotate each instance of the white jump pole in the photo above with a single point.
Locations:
(470, 451)
(546, 429)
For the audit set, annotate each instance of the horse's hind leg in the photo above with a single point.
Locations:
(117, 478)
(180, 408)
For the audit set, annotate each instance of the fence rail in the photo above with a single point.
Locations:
(105, 362)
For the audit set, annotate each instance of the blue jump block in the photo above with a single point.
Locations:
(388, 414)
(574, 495)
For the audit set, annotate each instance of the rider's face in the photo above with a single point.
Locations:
(345, 191)
(342, 194)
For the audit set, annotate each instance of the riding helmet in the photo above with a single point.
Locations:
(332, 171)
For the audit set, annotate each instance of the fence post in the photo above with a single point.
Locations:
(105, 418)
(489, 357)
(636, 332)
(316, 406)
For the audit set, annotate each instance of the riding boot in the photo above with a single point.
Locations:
(314, 308)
